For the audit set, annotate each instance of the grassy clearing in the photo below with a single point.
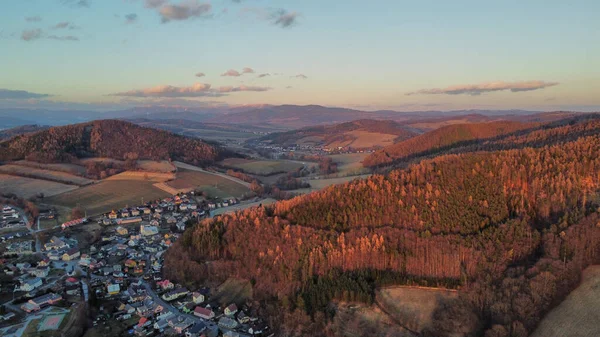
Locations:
(233, 291)
(29, 187)
(350, 163)
(108, 195)
(214, 185)
(365, 139)
(412, 307)
(111, 327)
(242, 206)
(356, 320)
(44, 174)
(156, 166)
(319, 184)
(579, 313)
(262, 167)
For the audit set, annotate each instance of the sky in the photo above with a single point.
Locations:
(392, 54)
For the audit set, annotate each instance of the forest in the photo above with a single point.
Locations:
(511, 225)
(110, 139)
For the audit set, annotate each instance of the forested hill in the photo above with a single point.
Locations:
(511, 229)
(19, 130)
(430, 142)
(107, 138)
(344, 134)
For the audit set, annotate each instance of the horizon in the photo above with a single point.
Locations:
(401, 56)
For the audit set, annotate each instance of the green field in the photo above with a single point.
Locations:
(214, 185)
(350, 163)
(262, 167)
(108, 195)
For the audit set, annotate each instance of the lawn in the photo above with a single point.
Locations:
(108, 195)
(29, 187)
(214, 185)
(233, 291)
(412, 307)
(579, 313)
(262, 167)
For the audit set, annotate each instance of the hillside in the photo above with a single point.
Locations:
(512, 229)
(438, 139)
(109, 139)
(363, 133)
(19, 130)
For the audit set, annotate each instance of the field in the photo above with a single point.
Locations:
(579, 313)
(319, 184)
(242, 206)
(69, 168)
(365, 139)
(262, 167)
(233, 291)
(356, 320)
(108, 195)
(156, 166)
(29, 187)
(412, 307)
(57, 176)
(142, 176)
(350, 163)
(214, 185)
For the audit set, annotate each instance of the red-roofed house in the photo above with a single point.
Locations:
(204, 313)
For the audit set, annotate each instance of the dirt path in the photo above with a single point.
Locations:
(195, 168)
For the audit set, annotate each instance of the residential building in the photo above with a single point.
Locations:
(231, 309)
(30, 284)
(204, 313)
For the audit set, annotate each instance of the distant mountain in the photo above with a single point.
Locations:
(19, 130)
(359, 134)
(108, 138)
(435, 140)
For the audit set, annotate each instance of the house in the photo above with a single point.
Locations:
(231, 310)
(227, 323)
(125, 213)
(135, 212)
(197, 297)
(146, 210)
(113, 289)
(30, 284)
(231, 333)
(122, 231)
(106, 221)
(161, 324)
(181, 226)
(73, 223)
(112, 215)
(181, 326)
(195, 330)
(71, 254)
(148, 230)
(54, 255)
(55, 243)
(44, 263)
(129, 220)
(36, 303)
(243, 318)
(130, 264)
(175, 294)
(143, 322)
(39, 272)
(257, 328)
(204, 313)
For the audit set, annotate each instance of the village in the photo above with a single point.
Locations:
(117, 277)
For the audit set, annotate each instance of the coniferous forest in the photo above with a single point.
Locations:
(511, 221)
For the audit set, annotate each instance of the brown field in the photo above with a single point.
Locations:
(233, 291)
(262, 167)
(101, 160)
(43, 174)
(214, 185)
(350, 163)
(29, 187)
(108, 195)
(357, 320)
(143, 176)
(156, 166)
(319, 184)
(69, 168)
(412, 307)
(579, 314)
(365, 139)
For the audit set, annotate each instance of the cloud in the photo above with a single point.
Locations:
(20, 94)
(232, 73)
(247, 70)
(284, 18)
(243, 88)
(36, 18)
(478, 89)
(31, 34)
(201, 74)
(196, 90)
(184, 10)
(301, 76)
(130, 18)
(64, 25)
(154, 3)
(77, 3)
(264, 75)
(63, 37)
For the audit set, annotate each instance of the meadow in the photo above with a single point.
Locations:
(29, 187)
(44, 174)
(214, 185)
(262, 167)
